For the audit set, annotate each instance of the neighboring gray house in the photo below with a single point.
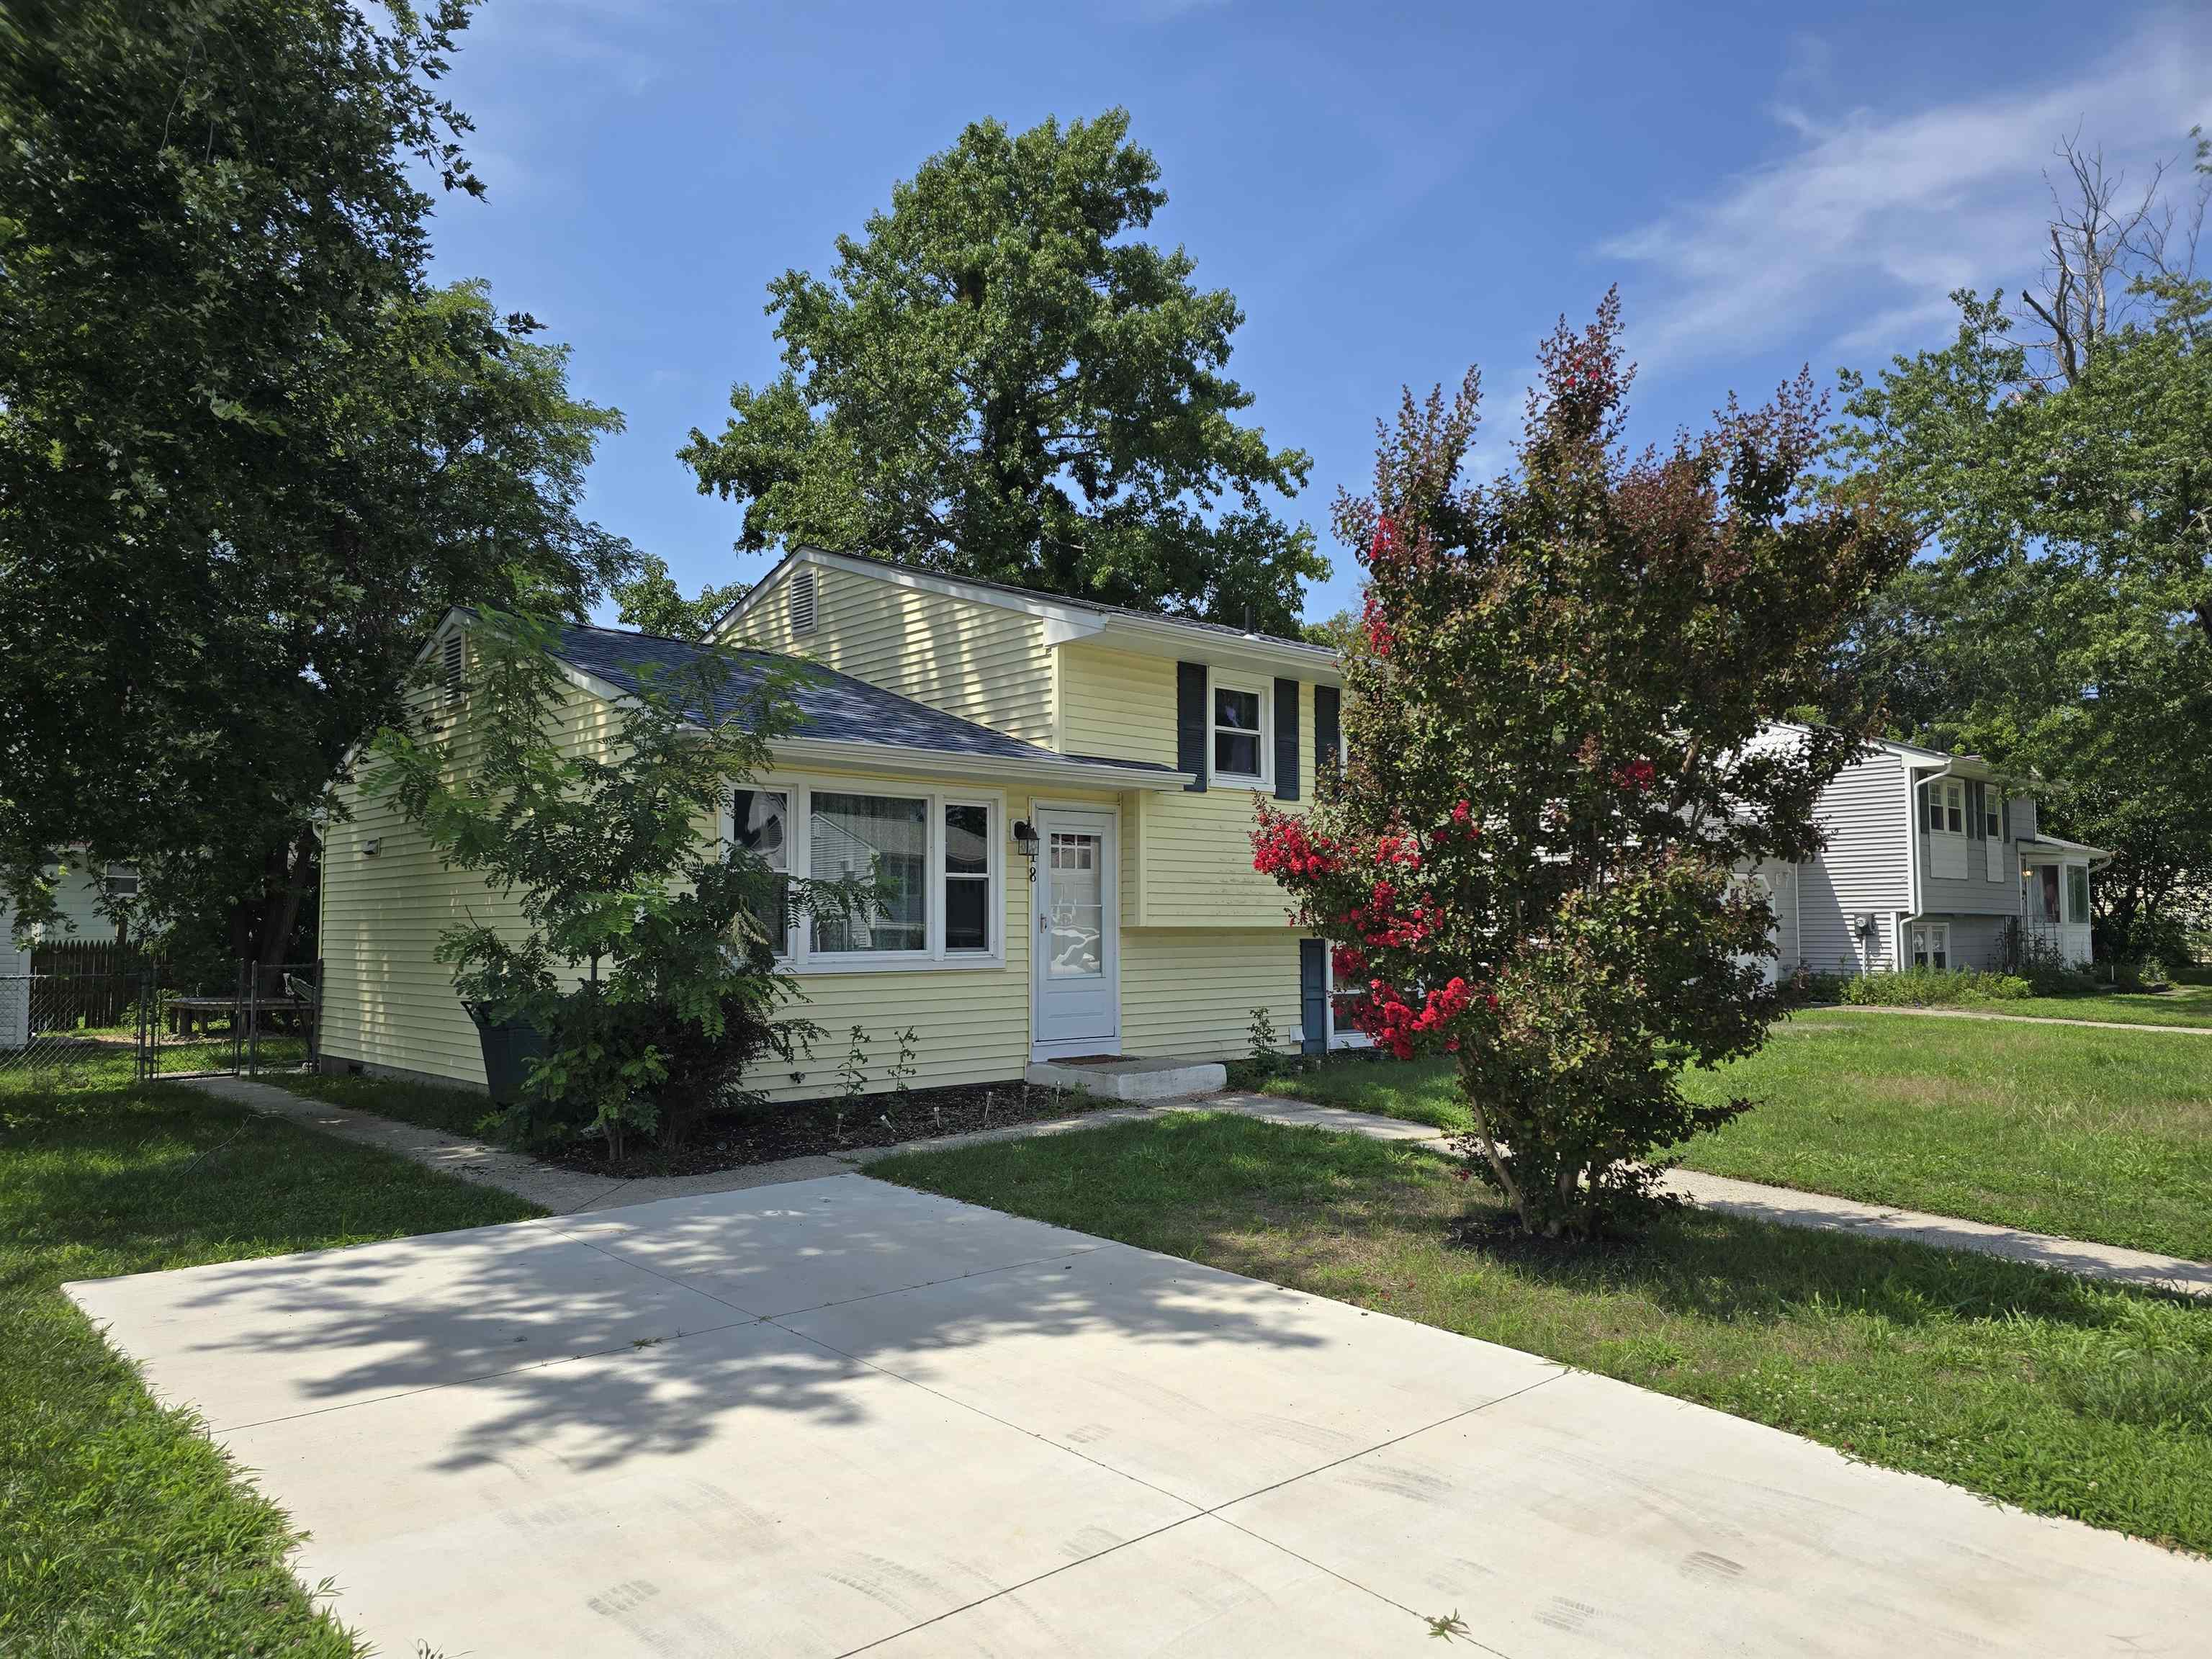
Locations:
(1928, 856)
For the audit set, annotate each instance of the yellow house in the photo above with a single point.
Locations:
(1066, 789)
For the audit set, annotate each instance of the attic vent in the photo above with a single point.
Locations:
(452, 664)
(801, 601)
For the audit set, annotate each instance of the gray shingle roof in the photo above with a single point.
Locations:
(832, 706)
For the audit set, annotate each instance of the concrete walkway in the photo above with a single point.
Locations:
(2015, 1019)
(836, 1415)
(567, 1192)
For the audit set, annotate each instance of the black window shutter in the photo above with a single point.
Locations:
(1287, 739)
(1313, 995)
(1190, 722)
(1328, 743)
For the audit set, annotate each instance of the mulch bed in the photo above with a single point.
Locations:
(1498, 1235)
(817, 1127)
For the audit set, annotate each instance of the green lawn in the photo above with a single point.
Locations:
(126, 1534)
(2048, 1392)
(427, 1105)
(2180, 1005)
(2102, 1135)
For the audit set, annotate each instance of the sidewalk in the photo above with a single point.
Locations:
(567, 1192)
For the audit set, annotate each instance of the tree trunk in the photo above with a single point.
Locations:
(281, 913)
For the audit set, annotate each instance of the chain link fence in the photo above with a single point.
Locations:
(71, 1027)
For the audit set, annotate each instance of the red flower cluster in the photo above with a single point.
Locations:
(1379, 636)
(1635, 777)
(1281, 847)
(1348, 961)
(1383, 547)
(1398, 849)
(1397, 1026)
(1380, 925)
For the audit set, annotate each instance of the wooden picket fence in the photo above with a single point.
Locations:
(93, 983)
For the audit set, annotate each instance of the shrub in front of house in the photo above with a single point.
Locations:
(1932, 987)
(645, 961)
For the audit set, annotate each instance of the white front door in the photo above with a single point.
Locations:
(1075, 999)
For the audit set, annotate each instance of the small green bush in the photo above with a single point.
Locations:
(1934, 988)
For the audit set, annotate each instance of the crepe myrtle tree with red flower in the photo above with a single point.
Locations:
(1559, 770)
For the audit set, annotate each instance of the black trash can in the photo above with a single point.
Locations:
(509, 1046)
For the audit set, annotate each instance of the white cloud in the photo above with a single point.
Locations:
(1874, 218)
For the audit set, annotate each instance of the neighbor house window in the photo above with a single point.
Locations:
(2046, 891)
(967, 876)
(1946, 806)
(882, 839)
(1992, 813)
(1931, 944)
(2077, 892)
(1240, 731)
(760, 822)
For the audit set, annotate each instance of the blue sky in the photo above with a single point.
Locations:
(1391, 192)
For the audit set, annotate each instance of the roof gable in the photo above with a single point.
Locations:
(1066, 618)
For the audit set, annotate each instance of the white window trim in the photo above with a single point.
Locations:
(1939, 793)
(1265, 690)
(1933, 930)
(799, 955)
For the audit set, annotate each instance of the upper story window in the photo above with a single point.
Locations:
(1946, 806)
(123, 881)
(1242, 725)
(1992, 813)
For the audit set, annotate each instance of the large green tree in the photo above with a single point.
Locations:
(1002, 379)
(246, 449)
(2060, 458)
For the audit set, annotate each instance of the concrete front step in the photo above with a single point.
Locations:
(1132, 1080)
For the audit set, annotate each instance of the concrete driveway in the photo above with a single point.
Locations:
(835, 1415)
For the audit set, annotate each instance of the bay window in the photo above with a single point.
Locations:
(932, 860)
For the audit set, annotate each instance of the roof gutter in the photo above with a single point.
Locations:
(945, 762)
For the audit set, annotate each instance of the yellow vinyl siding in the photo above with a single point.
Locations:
(1187, 855)
(391, 1004)
(387, 1000)
(982, 662)
(1189, 992)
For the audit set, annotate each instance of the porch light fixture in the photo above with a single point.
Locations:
(1025, 843)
